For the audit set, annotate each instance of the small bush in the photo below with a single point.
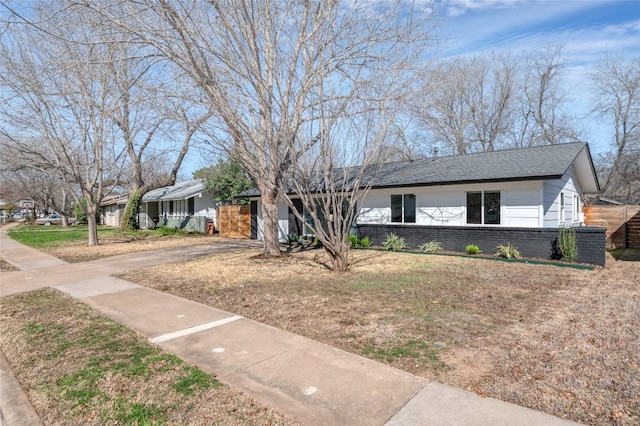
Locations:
(353, 239)
(567, 244)
(432, 246)
(394, 242)
(293, 238)
(472, 249)
(508, 252)
(365, 242)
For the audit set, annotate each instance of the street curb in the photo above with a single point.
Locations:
(15, 407)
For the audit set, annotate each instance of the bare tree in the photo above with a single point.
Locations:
(261, 66)
(332, 179)
(154, 116)
(542, 118)
(57, 104)
(616, 100)
(471, 104)
(442, 105)
(45, 189)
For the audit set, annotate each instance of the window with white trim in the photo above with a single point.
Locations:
(403, 208)
(483, 207)
(562, 207)
(576, 208)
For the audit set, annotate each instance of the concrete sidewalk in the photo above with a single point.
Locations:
(308, 381)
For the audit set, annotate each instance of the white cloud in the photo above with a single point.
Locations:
(460, 7)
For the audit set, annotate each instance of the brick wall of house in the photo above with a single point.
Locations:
(531, 242)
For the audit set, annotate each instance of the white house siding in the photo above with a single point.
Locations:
(445, 208)
(375, 208)
(111, 214)
(283, 222)
(521, 207)
(206, 206)
(551, 200)
(446, 205)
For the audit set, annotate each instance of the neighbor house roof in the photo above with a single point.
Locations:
(533, 163)
(179, 191)
(114, 199)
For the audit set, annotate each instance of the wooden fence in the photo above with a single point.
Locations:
(234, 221)
(622, 223)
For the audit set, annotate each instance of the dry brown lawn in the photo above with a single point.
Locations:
(560, 340)
(113, 245)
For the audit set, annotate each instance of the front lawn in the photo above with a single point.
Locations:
(70, 243)
(46, 237)
(559, 340)
(80, 368)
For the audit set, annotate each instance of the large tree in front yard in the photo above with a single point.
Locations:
(57, 104)
(271, 70)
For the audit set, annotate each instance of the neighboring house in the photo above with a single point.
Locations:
(185, 205)
(518, 196)
(113, 209)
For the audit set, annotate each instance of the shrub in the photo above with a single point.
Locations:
(394, 242)
(293, 238)
(432, 246)
(567, 244)
(365, 242)
(508, 252)
(353, 239)
(472, 249)
(130, 216)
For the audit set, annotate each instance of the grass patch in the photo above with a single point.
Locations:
(415, 350)
(70, 243)
(79, 367)
(40, 237)
(626, 254)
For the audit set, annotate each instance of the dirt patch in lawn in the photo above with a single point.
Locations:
(560, 340)
(80, 368)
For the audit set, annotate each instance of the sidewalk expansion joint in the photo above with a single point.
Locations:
(191, 330)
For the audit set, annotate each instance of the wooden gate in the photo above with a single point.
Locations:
(235, 221)
(622, 223)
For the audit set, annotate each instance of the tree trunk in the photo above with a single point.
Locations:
(91, 222)
(270, 222)
(339, 258)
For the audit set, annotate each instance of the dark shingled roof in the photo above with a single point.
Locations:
(534, 163)
(539, 162)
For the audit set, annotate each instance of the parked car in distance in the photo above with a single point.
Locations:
(18, 215)
(52, 219)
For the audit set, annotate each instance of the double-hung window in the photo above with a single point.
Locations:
(483, 207)
(403, 208)
(576, 208)
(562, 207)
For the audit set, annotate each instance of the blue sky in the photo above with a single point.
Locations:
(588, 31)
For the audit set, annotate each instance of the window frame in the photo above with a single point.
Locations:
(576, 208)
(562, 207)
(413, 216)
(483, 207)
